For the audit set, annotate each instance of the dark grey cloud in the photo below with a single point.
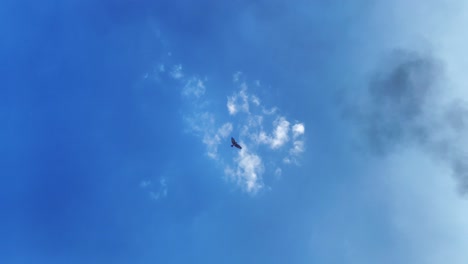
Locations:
(403, 107)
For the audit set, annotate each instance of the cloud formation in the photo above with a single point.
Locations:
(298, 130)
(176, 71)
(194, 86)
(265, 128)
(268, 138)
(239, 102)
(405, 107)
(155, 191)
(248, 171)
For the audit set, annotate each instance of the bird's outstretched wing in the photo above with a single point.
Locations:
(234, 143)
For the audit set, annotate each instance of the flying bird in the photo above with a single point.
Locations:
(234, 143)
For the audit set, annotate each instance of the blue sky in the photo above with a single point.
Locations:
(117, 117)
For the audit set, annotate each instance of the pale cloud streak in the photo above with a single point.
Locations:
(204, 125)
(248, 171)
(176, 72)
(281, 133)
(239, 102)
(278, 137)
(225, 130)
(155, 191)
(213, 140)
(194, 86)
(298, 147)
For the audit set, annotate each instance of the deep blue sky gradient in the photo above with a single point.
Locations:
(82, 131)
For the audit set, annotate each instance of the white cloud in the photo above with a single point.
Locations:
(200, 122)
(239, 102)
(281, 133)
(254, 121)
(298, 147)
(163, 188)
(194, 86)
(155, 193)
(231, 106)
(225, 130)
(204, 125)
(236, 76)
(250, 168)
(211, 143)
(269, 111)
(278, 172)
(155, 73)
(246, 167)
(279, 137)
(298, 129)
(255, 135)
(176, 72)
(255, 100)
(212, 138)
(248, 171)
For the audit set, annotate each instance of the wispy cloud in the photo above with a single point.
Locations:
(204, 125)
(155, 191)
(248, 171)
(298, 147)
(298, 130)
(176, 72)
(194, 86)
(278, 172)
(213, 139)
(225, 130)
(239, 102)
(280, 136)
(267, 136)
(155, 74)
